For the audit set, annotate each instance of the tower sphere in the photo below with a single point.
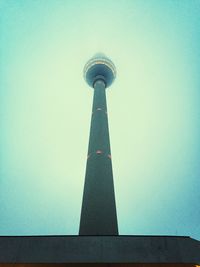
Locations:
(99, 67)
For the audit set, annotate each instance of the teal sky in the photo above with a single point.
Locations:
(153, 108)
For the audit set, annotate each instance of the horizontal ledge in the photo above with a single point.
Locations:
(99, 249)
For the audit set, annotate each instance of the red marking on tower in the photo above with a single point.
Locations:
(99, 152)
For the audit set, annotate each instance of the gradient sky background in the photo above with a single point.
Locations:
(153, 106)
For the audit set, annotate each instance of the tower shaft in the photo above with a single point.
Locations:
(98, 214)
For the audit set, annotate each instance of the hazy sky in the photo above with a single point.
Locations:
(153, 108)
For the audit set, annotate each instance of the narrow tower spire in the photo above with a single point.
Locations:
(98, 214)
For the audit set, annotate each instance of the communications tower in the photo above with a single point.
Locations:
(98, 214)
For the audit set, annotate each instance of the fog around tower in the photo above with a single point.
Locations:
(153, 111)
